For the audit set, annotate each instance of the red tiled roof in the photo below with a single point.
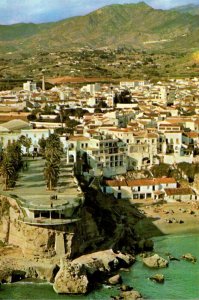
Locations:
(192, 134)
(153, 181)
(140, 182)
(115, 183)
(179, 191)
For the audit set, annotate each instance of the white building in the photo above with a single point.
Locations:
(30, 86)
(139, 188)
(101, 155)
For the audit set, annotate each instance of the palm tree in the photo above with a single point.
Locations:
(53, 152)
(13, 151)
(8, 171)
(42, 146)
(51, 173)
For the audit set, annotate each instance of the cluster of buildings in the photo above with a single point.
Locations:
(158, 124)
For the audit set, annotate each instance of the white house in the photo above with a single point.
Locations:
(139, 188)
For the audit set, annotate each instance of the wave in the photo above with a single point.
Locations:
(32, 282)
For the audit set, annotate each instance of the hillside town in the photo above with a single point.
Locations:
(94, 166)
(109, 131)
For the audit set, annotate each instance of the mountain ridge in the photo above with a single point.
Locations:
(135, 25)
(191, 8)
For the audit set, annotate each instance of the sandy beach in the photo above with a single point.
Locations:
(168, 218)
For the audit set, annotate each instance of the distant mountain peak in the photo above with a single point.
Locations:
(191, 8)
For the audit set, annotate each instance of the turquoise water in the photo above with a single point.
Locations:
(181, 277)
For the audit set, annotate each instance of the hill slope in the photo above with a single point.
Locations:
(135, 25)
(192, 9)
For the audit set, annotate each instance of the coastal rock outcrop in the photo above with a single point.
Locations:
(77, 276)
(155, 261)
(189, 257)
(157, 278)
(71, 280)
(116, 279)
(131, 295)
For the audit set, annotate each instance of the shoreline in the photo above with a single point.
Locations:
(167, 218)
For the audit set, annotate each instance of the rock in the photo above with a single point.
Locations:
(70, 281)
(145, 245)
(144, 255)
(155, 261)
(148, 245)
(124, 269)
(115, 279)
(173, 258)
(125, 260)
(189, 257)
(116, 297)
(76, 277)
(5, 276)
(131, 295)
(47, 272)
(158, 278)
(126, 288)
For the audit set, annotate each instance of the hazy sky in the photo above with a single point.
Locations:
(37, 11)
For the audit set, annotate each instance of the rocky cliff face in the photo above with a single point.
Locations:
(44, 251)
(105, 223)
(40, 241)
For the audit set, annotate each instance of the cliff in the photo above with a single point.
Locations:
(39, 251)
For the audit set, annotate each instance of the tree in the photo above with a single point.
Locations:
(53, 149)
(26, 142)
(53, 153)
(42, 146)
(8, 171)
(14, 153)
(51, 173)
(160, 170)
(70, 125)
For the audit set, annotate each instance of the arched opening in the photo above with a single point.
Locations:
(71, 158)
(146, 161)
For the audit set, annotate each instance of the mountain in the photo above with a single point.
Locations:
(135, 25)
(192, 9)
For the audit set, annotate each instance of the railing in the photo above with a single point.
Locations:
(47, 221)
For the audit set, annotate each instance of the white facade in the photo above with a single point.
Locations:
(138, 189)
(30, 86)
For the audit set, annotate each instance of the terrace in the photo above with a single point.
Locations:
(41, 206)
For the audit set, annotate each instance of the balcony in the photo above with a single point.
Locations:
(48, 221)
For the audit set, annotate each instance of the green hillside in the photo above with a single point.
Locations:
(192, 9)
(134, 25)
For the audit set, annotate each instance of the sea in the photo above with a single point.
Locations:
(181, 277)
